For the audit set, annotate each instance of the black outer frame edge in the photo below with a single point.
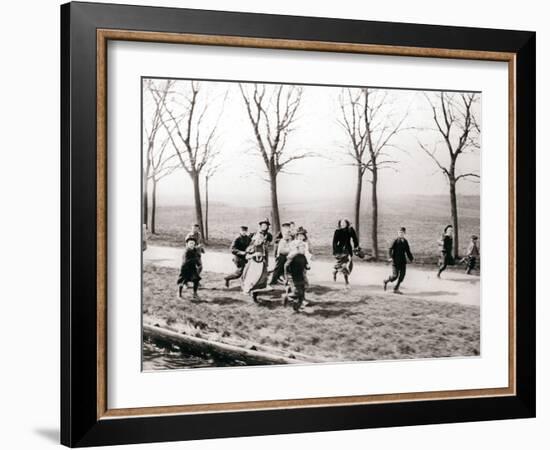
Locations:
(65, 371)
(79, 264)
(230, 23)
(79, 426)
(301, 420)
(526, 224)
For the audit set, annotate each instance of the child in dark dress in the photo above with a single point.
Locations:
(446, 250)
(296, 265)
(345, 244)
(190, 267)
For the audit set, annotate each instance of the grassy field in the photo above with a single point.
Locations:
(424, 217)
(338, 325)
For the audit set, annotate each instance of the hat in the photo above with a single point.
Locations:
(286, 224)
(474, 237)
(266, 221)
(244, 228)
(302, 231)
(403, 229)
(190, 237)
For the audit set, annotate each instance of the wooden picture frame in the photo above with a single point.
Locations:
(85, 417)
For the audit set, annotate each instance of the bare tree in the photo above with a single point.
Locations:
(151, 127)
(370, 125)
(190, 118)
(161, 164)
(456, 123)
(272, 110)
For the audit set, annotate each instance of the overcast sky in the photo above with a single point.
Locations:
(329, 176)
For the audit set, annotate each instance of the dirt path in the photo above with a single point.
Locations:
(420, 282)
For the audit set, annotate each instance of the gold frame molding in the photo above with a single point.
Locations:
(103, 36)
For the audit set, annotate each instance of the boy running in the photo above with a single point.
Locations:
(239, 247)
(399, 252)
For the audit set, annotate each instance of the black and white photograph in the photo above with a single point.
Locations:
(300, 224)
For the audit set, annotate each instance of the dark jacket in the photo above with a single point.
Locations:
(400, 251)
(189, 270)
(342, 241)
(296, 267)
(240, 244)
(447, 244)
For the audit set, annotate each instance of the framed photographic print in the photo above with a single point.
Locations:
(277, 224)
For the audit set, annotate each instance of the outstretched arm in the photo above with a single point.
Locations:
(354, 237)
(390, 251)
(408, 251)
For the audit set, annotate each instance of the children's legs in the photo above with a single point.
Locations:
(278, 270)
(442, 266)
(401, 275)
(471, 264)
(237, 274)
(394, 274)
(299, 293)
(195, 287)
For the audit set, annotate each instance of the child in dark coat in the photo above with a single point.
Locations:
(296, 265)
(190, 267)
(446, 250)
(344, 243)
(399, 253)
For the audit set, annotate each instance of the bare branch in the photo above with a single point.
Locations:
(272, 112)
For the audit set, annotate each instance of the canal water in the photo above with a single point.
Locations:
(160, 356)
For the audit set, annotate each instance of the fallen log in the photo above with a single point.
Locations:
(199, 346)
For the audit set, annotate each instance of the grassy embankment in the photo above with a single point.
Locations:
(339, 325)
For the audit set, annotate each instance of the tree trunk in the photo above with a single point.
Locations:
(274, 201)
(454, 213)
(145, 192)
(358, 194)
(206, 209)
(374, 231)
(198, 202)
(154, 207)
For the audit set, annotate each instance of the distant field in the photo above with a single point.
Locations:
(424, 217)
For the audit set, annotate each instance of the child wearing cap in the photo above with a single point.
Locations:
(472, 254)
(255, 274)
(399, 252)
(239, 248)
(283, 242)
(296, 265)
(189, 270)
(195, 233)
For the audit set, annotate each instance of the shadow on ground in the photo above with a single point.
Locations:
(50, 434)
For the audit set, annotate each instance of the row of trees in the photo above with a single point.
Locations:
(181, 132)
(371, 124)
